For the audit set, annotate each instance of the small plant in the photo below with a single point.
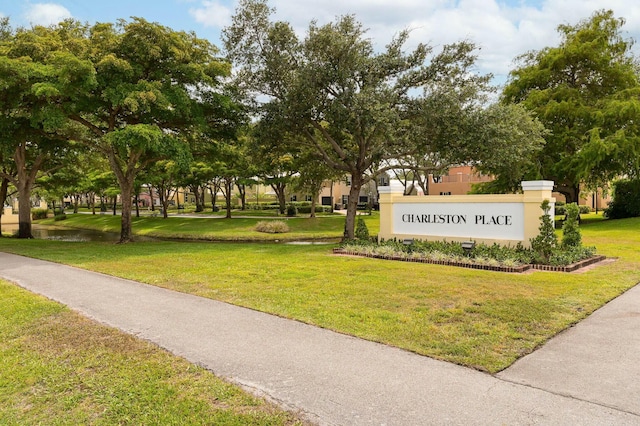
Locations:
(60, 216)
(291, 210)
(585, 210)
(546, 241)
(37, 214)
(571, 236)
(362, 232)
(272, 227)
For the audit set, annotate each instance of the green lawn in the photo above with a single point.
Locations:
(481, 319)
(60, 368)
(220, 229)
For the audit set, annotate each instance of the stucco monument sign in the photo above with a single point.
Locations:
(504, 219)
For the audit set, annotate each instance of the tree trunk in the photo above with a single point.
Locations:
(331, 195)
(313, 206)
(570, 191)
(198, 193)
(92, 202)
(242, 189)
(279, 189)
(164, 195)
(25, 178)
(135, 200)
(423, 182)
(202, 191)
(228, 186)
(126, 191)
(4, 190)
(153, 206)
(213, 191)
(24, 211)
(352, 208)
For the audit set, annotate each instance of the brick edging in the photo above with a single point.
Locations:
(515, 269)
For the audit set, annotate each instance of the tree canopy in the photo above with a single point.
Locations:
(585, 92)
(362, 111)
(132, 91)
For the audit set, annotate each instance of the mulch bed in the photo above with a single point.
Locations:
(514, 269)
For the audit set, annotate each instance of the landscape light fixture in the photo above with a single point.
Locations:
(467, 246)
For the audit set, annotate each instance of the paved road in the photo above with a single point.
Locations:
(333, 379)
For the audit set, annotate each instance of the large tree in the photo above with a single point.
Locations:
(354, 106)
(585, 92)
(133, 90)
(29, 123)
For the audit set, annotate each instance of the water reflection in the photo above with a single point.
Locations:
(74, 235)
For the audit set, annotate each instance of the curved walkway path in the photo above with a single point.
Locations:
(589, 375)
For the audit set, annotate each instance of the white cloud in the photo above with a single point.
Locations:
(503, 29)
(212, 14)
(46, 13)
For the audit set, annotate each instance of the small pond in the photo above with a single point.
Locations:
(79, 235)
(83, 235)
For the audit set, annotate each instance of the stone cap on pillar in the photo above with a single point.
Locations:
(537, 185)
(394, 187)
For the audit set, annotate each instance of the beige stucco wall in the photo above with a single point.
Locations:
(526, 227)
(8, 217)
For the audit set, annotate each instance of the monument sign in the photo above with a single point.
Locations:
(505, 219)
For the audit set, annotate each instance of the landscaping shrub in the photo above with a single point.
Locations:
(291, 210)
(571, 236)
(319, 209)
(546, 241)
(37, 214)
(272, 227)
(362, 232)
(626, 200)
(585, 209)
(60, 216)
(560, 209)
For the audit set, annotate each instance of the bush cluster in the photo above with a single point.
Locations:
(626, 200)
(291, 210)
(493, 255)
(319, 209)
(302, 207)
(561, 209)
(272, 227)
(37, 214)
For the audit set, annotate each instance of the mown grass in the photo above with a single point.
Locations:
(480, 319)
(219, 229)
(60, 368)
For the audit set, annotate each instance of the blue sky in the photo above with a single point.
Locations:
(502, 28)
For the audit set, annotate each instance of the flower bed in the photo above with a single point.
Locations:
(471, 263)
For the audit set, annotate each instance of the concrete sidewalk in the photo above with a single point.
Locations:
(333, 379)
